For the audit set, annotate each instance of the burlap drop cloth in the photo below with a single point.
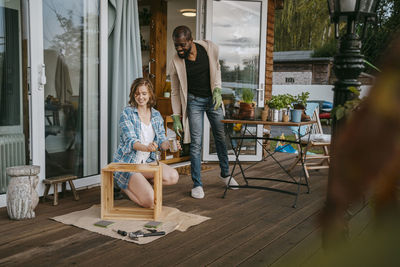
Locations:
(172, 218)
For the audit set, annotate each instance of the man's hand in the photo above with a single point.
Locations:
(217, 98)
(177, 125)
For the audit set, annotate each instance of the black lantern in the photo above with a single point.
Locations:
(349, 63)
(351, 11)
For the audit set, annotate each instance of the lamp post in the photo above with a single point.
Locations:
(349, 63)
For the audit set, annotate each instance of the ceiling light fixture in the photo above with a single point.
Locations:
(189, 12)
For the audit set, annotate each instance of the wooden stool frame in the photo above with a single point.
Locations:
(63, 179)
(110, 212)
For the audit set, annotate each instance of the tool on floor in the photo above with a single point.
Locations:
(120, 232)
(137, 234)
(152, 224)
(103, 223)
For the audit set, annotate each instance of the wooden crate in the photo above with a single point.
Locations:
(110, 212)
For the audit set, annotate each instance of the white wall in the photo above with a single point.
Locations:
(317, 92)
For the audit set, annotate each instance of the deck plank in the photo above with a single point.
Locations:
(247, 226)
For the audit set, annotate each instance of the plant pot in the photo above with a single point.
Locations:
(296, 115)
(273, 115)
(246, 111)
(285, 117)
(22, 197)
(265, 114)
(282, 112)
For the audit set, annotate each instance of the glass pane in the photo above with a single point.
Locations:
(71, 56)
(236, 29)
(10, 68)
(367, 6)
(12, 140)
(347, 5)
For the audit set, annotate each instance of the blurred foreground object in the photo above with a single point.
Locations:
(366, 158)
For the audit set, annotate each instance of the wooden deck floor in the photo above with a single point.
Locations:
(249, 227)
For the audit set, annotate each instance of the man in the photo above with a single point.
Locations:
(195, 90)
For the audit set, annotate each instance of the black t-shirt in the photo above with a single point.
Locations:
(198, 73)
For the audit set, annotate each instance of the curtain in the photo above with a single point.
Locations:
(125, 60)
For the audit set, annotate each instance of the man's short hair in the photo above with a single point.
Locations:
(182, 31)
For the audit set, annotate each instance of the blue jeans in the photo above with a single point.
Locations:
(196, 106)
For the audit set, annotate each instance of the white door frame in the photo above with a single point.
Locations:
(36, 83)
(260, 98)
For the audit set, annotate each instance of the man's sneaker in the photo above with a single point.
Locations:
(233, 182)
(197, 192)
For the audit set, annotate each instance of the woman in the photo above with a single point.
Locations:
(142, 132)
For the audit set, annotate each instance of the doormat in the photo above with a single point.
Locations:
(185, 170)
(171, 218)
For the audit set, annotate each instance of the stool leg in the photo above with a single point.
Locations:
(46, 192)
(55, 203)
(71, 184)
(63, 186)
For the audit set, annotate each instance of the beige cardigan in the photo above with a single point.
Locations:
(179, 83)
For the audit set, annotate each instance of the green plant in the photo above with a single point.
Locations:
(280, 101)
(300, 101)
(349, 106)
(328, 49)
(288, 99)
(247, 95)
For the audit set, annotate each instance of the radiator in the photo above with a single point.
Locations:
(12, 153)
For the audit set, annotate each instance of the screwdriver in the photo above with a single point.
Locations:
(123, 233)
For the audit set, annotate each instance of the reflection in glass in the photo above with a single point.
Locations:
(10, 89)
(71, 56)
(236, 29)
(12, 139)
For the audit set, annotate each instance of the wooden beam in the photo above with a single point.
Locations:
(158, 45)
(269, 62)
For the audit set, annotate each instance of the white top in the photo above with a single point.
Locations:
(146, 137)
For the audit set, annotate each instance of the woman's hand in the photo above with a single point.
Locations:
(178, 144)
(165, 145)
(152, 147)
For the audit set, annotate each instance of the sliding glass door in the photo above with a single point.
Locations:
(239, 29)
(67, 90)
(71, 92)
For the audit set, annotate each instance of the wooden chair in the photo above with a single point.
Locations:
(317, 139)
(109, 211)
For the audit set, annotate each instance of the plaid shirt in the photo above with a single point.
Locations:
(129, 124)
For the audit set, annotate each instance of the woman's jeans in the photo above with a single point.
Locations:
(196, 107)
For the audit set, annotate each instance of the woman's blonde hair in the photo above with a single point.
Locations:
(135, 85)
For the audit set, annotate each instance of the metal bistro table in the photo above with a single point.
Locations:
(246, 134)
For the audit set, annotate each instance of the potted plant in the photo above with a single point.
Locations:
(278, 105)
(273, 105)
(299, 105)
(246, 108)
(287, 100)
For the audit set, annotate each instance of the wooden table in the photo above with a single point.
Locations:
(246, 134)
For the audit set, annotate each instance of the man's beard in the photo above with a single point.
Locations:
(185, 54)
